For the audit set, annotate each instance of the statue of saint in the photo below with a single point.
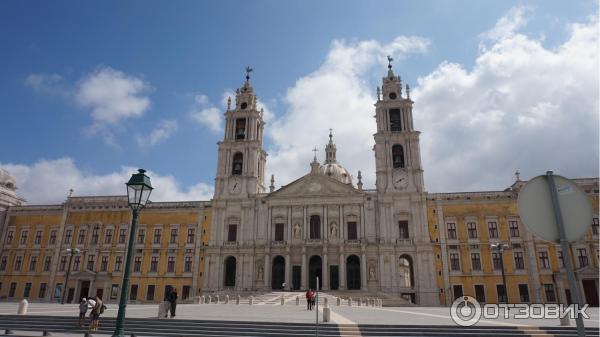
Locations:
(297, 231)
(260, 272)
(334, 230)
(371, 273)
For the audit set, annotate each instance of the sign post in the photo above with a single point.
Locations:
(317, 309)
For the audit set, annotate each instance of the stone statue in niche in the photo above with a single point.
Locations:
(259, 273)
(334, 230)
(297, 231)
(371, 272)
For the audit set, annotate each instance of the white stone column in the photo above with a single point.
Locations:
(342, 225)
(267, 273)
(219, 273)
(288, 233)
(342, 270)
(394, 265)
(305, 225)
(363, 272)
(325, 272)
(304, 271)
(325, 232)
(384, 275)
(288, 264)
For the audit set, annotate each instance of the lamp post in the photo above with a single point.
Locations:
(71, 252)
(138, 192)
(500, 247)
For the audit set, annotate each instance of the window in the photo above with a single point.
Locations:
(38, 238)
(544, 262)
(240, 128)
(133, 293)
(9, 237)
(154, 264)
(549, 291)
(191, 233)
(187, 267)
(76, 262)
(68, 235)
(519, 262)
(315, 227)
(403, 229)
(185, 292)
(91, 262)
(582, 257)
(24, 237)
(32, 263)
(171, 264)
(141, 235)
(137, 264)
(395, 120)
(27, 290)
(480, 293)
(104, 263)
(476, 261)
(157, 235)
(472, 230)
(114, 290)
(398, 156)
(122, 235)
(81, 237)
(497, 261)
(513, 227)
(561, 259)
(173, 235)
(108, 234)
(501, 292)
(62, 266)
(457, 290)
(595, 224)
(12, 289)
(451, 230)
(523, 293)
(18, 261)
(95, 233)
(52, 239)
(279, 232)
(3, 263)
(352, 231)
(118, 263)
(42, 292)
(232, 233)
(454, 261)
(150, 292)
(237, 164)
(493, 229)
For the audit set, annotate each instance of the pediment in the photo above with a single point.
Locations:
(315, 185)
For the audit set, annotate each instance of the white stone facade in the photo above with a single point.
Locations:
(321, 224)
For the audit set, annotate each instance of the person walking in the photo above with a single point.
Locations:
(83, 308)
(309, 295)
(173, 301)
(95, 314)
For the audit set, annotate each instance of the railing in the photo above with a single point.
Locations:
(279, 243)
(230, 243)
(352, 242)
(404, 241)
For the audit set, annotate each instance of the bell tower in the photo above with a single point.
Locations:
(241, 160)
(397, 151)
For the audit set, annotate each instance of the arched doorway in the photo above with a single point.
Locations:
(353, 272)
(277, 272)
(314, 271)
(230, 266)
(405, 272)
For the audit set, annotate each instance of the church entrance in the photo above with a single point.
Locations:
(230, 266)
(296, 277)
(278, 272)
(85, 290)
(334, 280)
(314, 271)
(353, 272)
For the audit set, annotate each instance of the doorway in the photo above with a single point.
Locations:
(591, 292)
(353, 272)
(314, 271)
(230, 266)
(278, 272)
(85, 290)
(70, 295)
(296, 277)
(334, 278)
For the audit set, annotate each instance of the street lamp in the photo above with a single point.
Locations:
(138, 192)
(500, 247)
(71, 252)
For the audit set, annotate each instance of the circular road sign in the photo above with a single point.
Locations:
(537, 213)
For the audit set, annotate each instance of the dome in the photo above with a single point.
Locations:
(336, 171)
(7, 181)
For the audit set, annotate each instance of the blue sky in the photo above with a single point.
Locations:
(91, 90)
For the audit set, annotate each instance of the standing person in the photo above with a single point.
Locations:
(309, 299)
(95, 314)
(83, 307)
(173, 301)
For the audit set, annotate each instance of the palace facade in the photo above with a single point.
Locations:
(322, 230)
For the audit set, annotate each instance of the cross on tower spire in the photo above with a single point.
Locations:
(390, 59)
(248, 71)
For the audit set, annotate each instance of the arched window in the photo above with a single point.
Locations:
(315, 227)
(405, 270)
(238, 161)
(395, 120)
(398, 156)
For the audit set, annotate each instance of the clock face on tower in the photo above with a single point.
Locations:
(400, 179)
(235, 186)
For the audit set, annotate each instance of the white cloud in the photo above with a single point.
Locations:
(49, 181)
(522, 106)
(334, 96)
(508, 25)
(113, 95)
(204, 113)
(49, 84)
(162, 132)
